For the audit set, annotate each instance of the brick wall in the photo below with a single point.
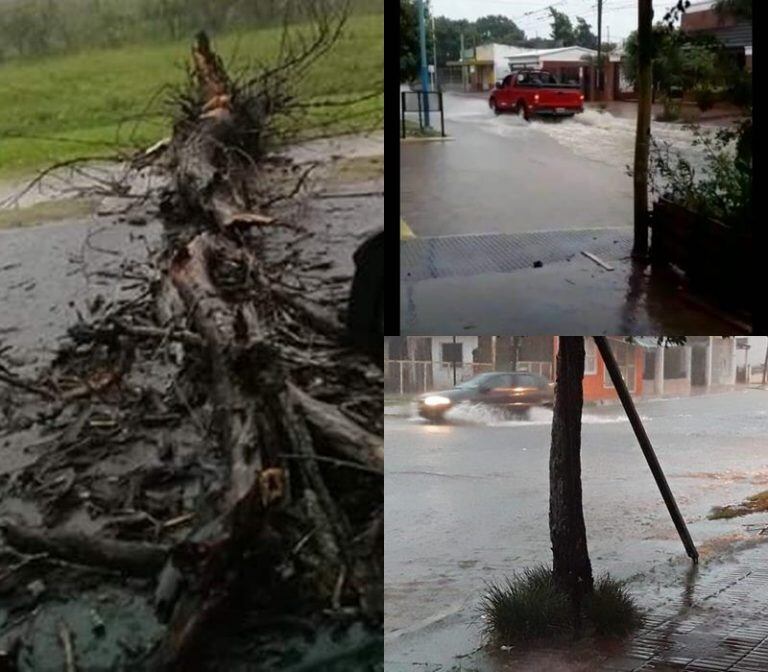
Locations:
(693, 21)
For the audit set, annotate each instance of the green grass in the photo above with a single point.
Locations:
(524, 607)
(611, 610)
(530, 606)
(96, 102)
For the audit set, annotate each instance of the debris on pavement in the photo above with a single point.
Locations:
(204, 488)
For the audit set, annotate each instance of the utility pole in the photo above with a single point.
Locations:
(643, 132)
(463, 69)
(423, 50)
(599, 45)
(454, 361)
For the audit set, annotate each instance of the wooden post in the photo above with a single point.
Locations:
(645, 444)
(642, 137)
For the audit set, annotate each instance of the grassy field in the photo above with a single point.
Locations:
(94, 103)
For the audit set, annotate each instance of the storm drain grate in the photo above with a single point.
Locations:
(447, 256)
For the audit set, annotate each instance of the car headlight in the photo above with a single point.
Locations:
(437, 400)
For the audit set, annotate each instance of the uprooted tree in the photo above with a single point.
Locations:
(288, 409)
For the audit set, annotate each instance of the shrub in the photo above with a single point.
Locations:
(721, 188)
(611, 609)
(705, 98)
(670, 110)
(530, 606)
(524, 607)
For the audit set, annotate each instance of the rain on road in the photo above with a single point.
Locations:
(504, 175)
(467, 502)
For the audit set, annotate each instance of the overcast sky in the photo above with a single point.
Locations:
(619, 16)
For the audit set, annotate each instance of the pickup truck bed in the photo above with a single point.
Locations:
(536, 92)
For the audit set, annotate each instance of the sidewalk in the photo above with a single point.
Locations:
(542, 282)
(719, 626)
(710, 619)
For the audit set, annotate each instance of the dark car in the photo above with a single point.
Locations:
(514, 392)
(365, 321)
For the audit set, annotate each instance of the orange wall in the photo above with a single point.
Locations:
(594, 389)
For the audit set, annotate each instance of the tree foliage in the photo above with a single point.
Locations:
(562, 28)
(498, 28)
(409, 40)
(679, 62)
(583, 35)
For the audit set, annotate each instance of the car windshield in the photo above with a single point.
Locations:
(477, 380)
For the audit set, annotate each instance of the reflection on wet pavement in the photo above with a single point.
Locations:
(571, 295)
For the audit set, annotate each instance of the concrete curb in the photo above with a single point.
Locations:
(414, 140)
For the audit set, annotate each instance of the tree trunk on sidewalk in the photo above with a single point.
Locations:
(572, 569)
(642, 138)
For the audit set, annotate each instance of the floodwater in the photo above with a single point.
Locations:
(503, 174)
(467, 502)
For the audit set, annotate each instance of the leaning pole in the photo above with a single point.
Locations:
(645, 444)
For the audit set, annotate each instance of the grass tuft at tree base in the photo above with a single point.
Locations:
(524, 607)
(611, 610)
(530, 606)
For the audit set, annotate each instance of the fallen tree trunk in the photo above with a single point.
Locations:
(135, 558)
(283, 505)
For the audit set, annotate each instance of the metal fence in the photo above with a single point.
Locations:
(406, 377)
(422, 103)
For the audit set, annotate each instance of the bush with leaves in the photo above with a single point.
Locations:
(721, 189)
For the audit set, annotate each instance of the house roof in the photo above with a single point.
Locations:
(646, 342)
(550, 54)
(556, 50)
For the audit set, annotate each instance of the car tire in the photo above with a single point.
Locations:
(522, 111)
(495, 107)
(434, 419)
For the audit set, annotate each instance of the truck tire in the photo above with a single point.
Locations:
(522, 110)
(495, 107)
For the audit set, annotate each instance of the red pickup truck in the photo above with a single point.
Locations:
(529, 92)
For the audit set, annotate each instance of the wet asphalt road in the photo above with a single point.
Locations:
(504, 175)
(467, 502)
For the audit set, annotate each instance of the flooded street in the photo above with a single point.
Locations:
(505, 210)
(506, 175)
(467, 502)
